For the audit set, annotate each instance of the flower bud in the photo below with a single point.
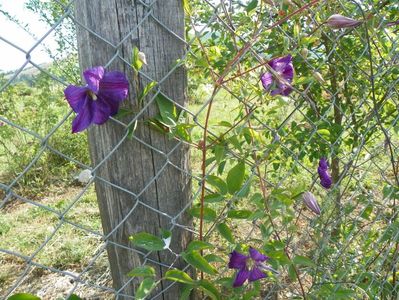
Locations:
(389, 24)
(318, 77)
(339, 21)
(142, 58)
(310, 201)
(304, 52)
(325, 178)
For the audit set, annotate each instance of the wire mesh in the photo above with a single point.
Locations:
(321, 110)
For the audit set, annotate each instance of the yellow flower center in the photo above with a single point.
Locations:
(92, 95)
(250, 263)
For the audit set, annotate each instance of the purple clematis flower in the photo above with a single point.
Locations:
(251, 267)
(325, 178)
(285, 70)
(99, 99)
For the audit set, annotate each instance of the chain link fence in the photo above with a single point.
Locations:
(344, 107)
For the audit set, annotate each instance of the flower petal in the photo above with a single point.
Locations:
(267, 80)
(256, 255)
(241, 276)
(101, 111)
(279, 64)
(323, 163)
(114, 86)
(113, 105)
(276, 92)
(288, 73)
(256, 274)
(93, 77)
(284, 89)
(76, 96)
(326, 182)
(84, 117)
(237, 260)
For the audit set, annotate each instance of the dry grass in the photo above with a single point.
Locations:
(25, 227)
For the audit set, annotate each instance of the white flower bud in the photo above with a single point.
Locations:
(318, 77)
(142, 58)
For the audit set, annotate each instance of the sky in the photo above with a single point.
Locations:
(10, 57)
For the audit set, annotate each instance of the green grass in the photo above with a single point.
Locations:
(24, 228)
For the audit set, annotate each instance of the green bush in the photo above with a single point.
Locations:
(38, 106)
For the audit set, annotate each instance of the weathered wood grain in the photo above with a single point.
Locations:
(134, 165)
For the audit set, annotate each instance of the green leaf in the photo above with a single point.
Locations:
(218, 183)
(291, 272)
(74, 297)
(303, 260)
(298, 190)
(146, 286)
(212, 198)
(235, 177)
(225, 232)
(23, 296)
(146, 90)
(219, 153)
(198, 245)
(186, 292)
(137, 64)
(344, 294)
(325, 133)
(209, 213)
(280, 256)
(147, 241)
(225, 124)
(144, 271)
(186, 6)
(182, 131)
(179, 276)
(196, 260)
(123, 112)
(252, 5)
(167, 110)
(239, 214)
(213, 258)
(367, 212)
(209, 289)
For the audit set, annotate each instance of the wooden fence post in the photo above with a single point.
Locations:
(134, 165)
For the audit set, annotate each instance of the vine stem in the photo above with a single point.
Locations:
(218, 83)
(387, 139)
(245, 48)
(264, 194)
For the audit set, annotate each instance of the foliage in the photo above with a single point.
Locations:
(38, 108)
(342, 109)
